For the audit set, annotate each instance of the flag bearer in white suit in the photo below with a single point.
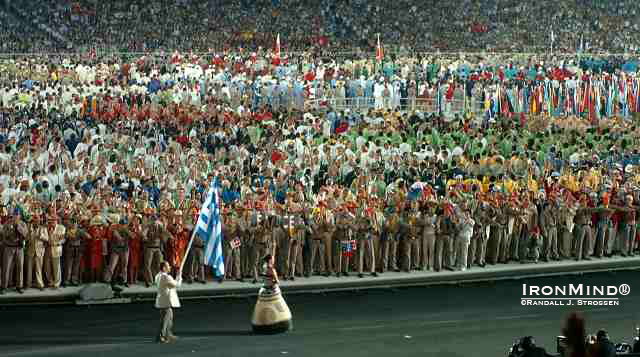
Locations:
(56, 241)
(166, 300)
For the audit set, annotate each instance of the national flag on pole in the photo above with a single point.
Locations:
(379, 53)
(209, 228)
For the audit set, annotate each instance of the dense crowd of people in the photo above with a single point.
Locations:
(105, 163)
(407, 25)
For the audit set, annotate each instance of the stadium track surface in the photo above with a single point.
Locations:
(480, 319)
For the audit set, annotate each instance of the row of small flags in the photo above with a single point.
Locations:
(597, 98)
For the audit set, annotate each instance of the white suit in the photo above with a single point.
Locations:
(167, 295)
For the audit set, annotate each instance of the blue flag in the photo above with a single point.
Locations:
(209, 228)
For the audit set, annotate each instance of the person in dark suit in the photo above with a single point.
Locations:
(529, 349)
(603, 346)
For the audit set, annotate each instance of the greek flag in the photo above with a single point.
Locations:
(209, 228)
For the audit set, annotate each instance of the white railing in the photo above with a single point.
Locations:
(425, 105)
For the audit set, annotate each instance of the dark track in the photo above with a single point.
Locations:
(473, 320)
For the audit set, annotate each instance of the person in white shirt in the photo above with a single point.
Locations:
(166, 300)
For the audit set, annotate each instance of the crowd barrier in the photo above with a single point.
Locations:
(424, 105)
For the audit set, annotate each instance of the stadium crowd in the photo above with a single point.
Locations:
(105, 163)
(487, 25)
(334, 163)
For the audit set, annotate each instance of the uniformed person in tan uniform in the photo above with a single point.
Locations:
(583, 237)
(154, 237)
(74, 250)
(196, 269)
(412, 223)
(391, 239)
(444, 242)
(320, 229)
(296, 234)
(549, 226)
(14, 236)
(232, 244)
(428, 219)
(364, 231)
(342, 236)
(497, 232)
(264, 243)
(119, 251)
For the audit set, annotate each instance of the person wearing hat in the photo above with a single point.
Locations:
(428, 220)
(342, 239)
(296, 234)
(321, 230)
(195, 269)
(549, 224)
(444, 243)
(14, 235)
(154, 237)
(364, 230)
(95, 249)
(232, 243)
(390, 239)
(498, 228)
(478, 245)
(135, 247)
(76, 239)
(56, 241)
(412, 229)
(265, 239)
(36, 248)
(119, 250)
(583, 236)
(629, 223)
(604, 213)
(465, 224)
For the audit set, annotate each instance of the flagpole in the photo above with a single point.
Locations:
(186, 253)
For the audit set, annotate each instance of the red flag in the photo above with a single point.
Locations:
(276, 58)
(379, 53)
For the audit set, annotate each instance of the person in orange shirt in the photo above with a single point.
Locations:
(94, 254)
(135, 248)
(181, 237)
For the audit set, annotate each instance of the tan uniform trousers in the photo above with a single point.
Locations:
(34, 267)
(197, 263)
(118, 256)
(152, 259)
(318, 252)
(232, 261)
(427, 251)
(293, 258)
(72, 264)
(53, 270)
(366, 248)
(12, 262)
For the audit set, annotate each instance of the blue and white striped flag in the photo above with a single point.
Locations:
(209, 228)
